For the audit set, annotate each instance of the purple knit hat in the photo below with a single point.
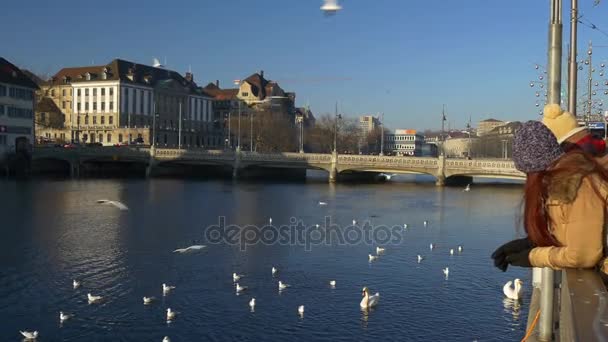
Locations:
(535, 147)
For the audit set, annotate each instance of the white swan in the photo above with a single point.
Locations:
(167, 289)
(240, 288)
(405, 226)
(467, 188)
(166, 339)
(459, 249)
(63, 316)
(332, 283)
(380, 250)
(75, 284)
(425, 223)
(93, 299)
(372, 257)
(148, 300)
(431, 246)
(236, 277)
(29, 335)
(170, 314)
(274, 271)
(283, 286)
(193, 248)
(369, 301)
(419, 258)
(451, 251)
(322, 203)
(252, 303)
(513, 292)
(117, 204)
(301, 310)
(446, 271)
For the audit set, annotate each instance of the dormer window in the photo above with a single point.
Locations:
(88, 76)
(104, 75)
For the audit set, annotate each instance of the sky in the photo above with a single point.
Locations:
(403, 58)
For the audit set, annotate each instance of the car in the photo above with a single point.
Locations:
(70, 145)
(95, 144)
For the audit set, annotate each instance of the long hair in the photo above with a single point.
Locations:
(535, 217)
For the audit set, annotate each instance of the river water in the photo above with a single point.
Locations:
(53, 231)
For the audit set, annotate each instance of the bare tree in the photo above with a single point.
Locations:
(321, 137)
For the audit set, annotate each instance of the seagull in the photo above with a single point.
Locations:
(431, 246)
(93, 299)
(283, 286)
(317, 225)
(63, 316)
(372, 257)
(467, 188)
(380, 250)
(240, 288)
(419, 258)
(425, 223)
(446, 271)
(117, 204)
(513, 292)
(270, 220)
(332, 283)
(193, 248)
(252, 303)
(451, 251)
(405, 226)
(167, 289)
(148, 300)
(459, 249)
(236, 277)
(29, 335)
(354, 222)
(301, 310)
(330, 7)
(322, 203)
(75, 284)
(166, 339)
(274, 271)
(170, 314)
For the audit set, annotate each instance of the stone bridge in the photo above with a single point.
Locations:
(441, 168)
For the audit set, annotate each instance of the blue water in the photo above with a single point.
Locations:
(53, 232)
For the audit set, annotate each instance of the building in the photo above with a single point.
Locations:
(17, 99)
(114, 104)
(404, 142)
(485, 126)
(367, 124)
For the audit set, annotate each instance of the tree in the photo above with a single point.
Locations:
(320, 139)
(273, 131)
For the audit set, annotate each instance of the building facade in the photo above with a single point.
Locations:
(367, 124)
(484, 127)
(404, 142)
(17, 99)
(115, 104)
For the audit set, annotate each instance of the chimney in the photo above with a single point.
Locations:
(262, 73)
(217, 83)
(189, 77)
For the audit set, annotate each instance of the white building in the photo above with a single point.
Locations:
(404, 142)
(17, 101)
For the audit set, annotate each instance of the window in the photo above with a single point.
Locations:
(111, 105)
(134, 99)
(126, 100)
(103, 120)
(94, 106)
(63, 92)
(111, 120)
(103, 106)
(78, 120)
(141, 102)
(94, 120)
(111, 91)
(78, 107)
(103, 91)
(86, 92)
(78, 92)
(109, 138)
(52, 92)
(43, 117)
(120, 138)
(2, 91)
(244, 94)
(63, 105)
(94, 91)
(100, 137)
(86, 106)
(86, 119)
(1, 109)
(2, 139)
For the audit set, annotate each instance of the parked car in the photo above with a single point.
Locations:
(95, 144)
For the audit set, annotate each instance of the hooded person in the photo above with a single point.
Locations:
(564, 205)
(569, 133)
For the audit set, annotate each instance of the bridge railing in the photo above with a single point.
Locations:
(420, 162)
(289, 156)
(171, 153)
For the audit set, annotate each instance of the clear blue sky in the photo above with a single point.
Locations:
(401, 57)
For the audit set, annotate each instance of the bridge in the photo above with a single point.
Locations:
(238, 162)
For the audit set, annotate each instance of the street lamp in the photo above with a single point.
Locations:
(238, 140)
(382, 135)
(337, 116)
(300, 121)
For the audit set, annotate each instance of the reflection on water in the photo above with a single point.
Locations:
(54, 232)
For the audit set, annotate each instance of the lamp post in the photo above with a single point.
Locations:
(179, 129)
(238, 139)
(382, 135)
(337, 116)
(154, 124)
(300, 121)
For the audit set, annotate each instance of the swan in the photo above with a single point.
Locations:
(75, 284)
(167, 289)
(252, 303)
(372, 257)
(171, 314)
(380, 250)
(459, 249)
(431, 246)
(236, 277)
(166, 339)
(148, 300)
(322, 203)
(274, 271)
(467, 188)
(63, 316)
(405, 226)
(117, 204)
(446, 271)
(29, 335)
(283, 286)
(369, 301)
(425, 223)
(332, 283)
(240, 288)
(451, 251)
(301, 309)
(193, 248)
(419, 258)
(93, 299)
(515, 291)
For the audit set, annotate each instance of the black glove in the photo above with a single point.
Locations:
(515, 246)
(521, 259)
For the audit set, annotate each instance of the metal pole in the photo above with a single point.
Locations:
(179, 129)
(382, 135)
(251, 131)
(442, 130)
(336, 128)
(153, 123)
(545, 326)
(238, 144)
(572, 69)
(589, 83)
